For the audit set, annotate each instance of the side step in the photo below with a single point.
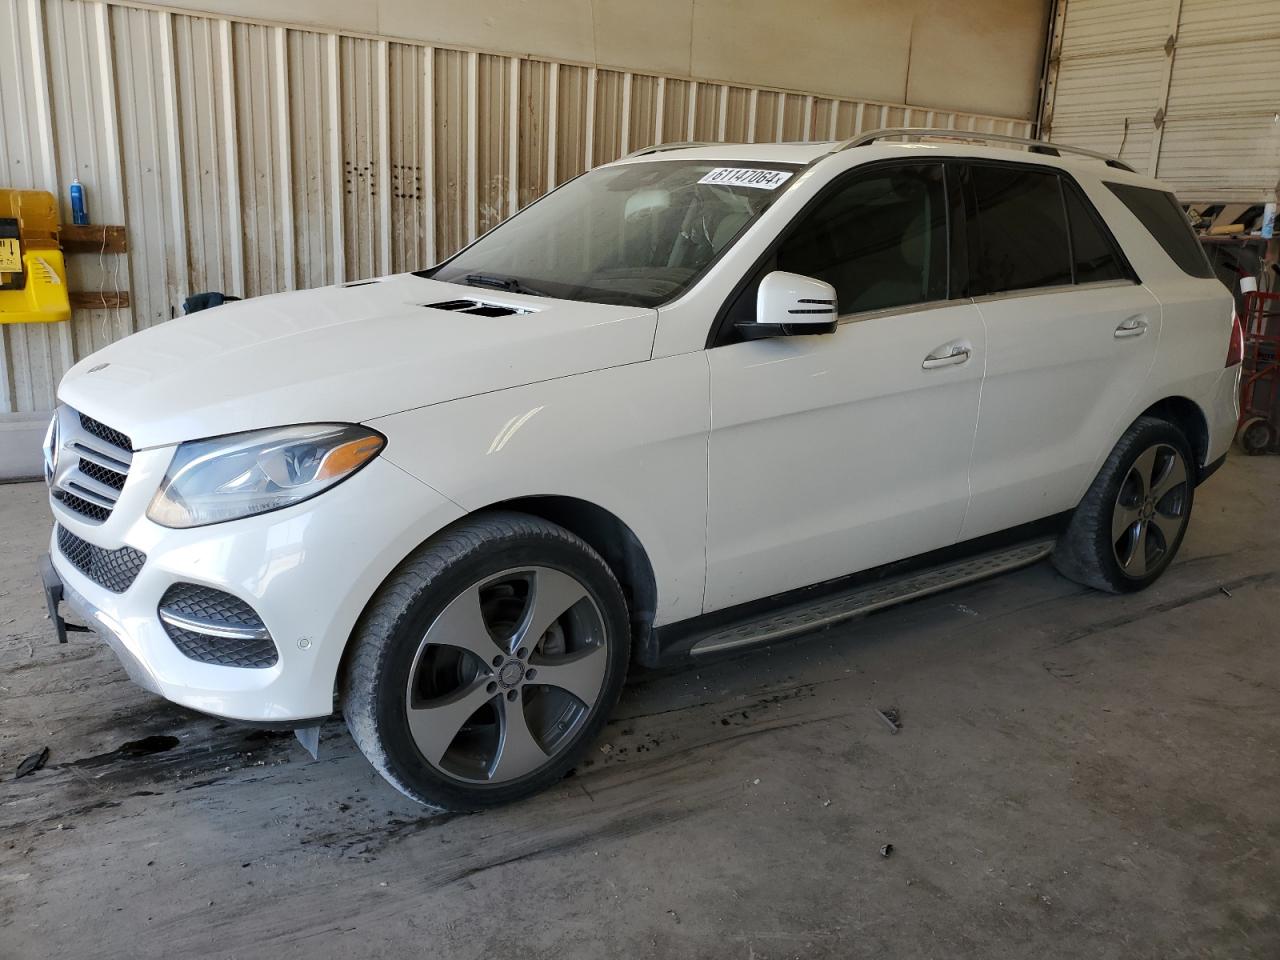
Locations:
(800, 618)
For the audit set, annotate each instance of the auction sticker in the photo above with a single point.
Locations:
(747, 177)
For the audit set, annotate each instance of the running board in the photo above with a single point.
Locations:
(803, 618)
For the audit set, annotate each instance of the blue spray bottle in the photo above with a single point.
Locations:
(79, 212)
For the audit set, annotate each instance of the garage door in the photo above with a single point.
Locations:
(1187, 90)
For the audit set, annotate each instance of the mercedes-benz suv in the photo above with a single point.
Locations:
(705, 397)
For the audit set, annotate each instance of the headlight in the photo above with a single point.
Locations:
(248, 473)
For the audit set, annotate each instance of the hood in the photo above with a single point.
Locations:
(344, 354)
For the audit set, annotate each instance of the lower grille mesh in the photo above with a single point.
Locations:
(114, 570)
(220, 651)
(217, 610)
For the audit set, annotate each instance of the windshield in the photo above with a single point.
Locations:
(632, 235)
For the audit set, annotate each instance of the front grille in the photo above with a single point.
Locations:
(114, 570)
(211, 626)
(82, 506)
(93, 465)
(112, 478)
(103, 432)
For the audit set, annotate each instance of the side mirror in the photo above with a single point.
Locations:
(789, 305)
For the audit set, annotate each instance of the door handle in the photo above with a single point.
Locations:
(1133, 327)
(947, 356)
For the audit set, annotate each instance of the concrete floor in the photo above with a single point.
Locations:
(1078, 775)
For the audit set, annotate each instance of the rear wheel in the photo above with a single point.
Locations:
(1127, 529)
(487, 663)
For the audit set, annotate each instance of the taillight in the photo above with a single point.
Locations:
(1235, 349)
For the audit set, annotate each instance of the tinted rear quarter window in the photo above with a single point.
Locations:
(1165, 221)
(1020, 234)
(1092, 250)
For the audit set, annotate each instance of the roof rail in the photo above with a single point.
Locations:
(678, 145)
(1036, 146)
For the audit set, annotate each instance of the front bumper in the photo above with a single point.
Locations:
(56, 593)
(307, 571)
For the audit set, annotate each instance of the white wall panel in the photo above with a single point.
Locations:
(207, 140)
(254, 157)
(316, 180)
(982, 56)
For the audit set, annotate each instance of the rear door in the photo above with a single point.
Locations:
(1071, 338)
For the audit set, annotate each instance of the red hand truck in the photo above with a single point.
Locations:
(1259, 428)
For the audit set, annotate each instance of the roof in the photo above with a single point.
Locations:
(807, 152)
(767, 152)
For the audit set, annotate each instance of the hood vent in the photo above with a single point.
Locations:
(478, 308)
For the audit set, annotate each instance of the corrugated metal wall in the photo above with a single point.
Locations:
(252, 158)
(1187, 90)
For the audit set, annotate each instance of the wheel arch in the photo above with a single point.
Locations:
(616, 542)
(1186, 415)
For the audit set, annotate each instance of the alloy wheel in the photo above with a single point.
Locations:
(1150, 511)
(506, 675)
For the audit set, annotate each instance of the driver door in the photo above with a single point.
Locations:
(833, 454)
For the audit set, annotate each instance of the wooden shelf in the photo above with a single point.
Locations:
(1237, 238)
(94, 300)
(92, 238)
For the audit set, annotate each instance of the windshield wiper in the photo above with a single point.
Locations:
(510, 284)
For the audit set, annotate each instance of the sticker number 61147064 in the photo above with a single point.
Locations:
(747, 177)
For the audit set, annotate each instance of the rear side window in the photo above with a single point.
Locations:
(1092, 250)
(1164, 219)
(880, 239)
(1019, 239)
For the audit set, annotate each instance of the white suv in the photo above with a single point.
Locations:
(702, 398)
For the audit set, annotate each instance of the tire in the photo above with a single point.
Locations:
(487, 662)
(1127, 529)
(1255, 436)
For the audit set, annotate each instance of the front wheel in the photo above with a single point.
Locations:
(1127, 529)
(487, 663)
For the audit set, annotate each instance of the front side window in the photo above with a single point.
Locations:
(1164, 219)
(1018, 240)
(638, 234)
(880, 239)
